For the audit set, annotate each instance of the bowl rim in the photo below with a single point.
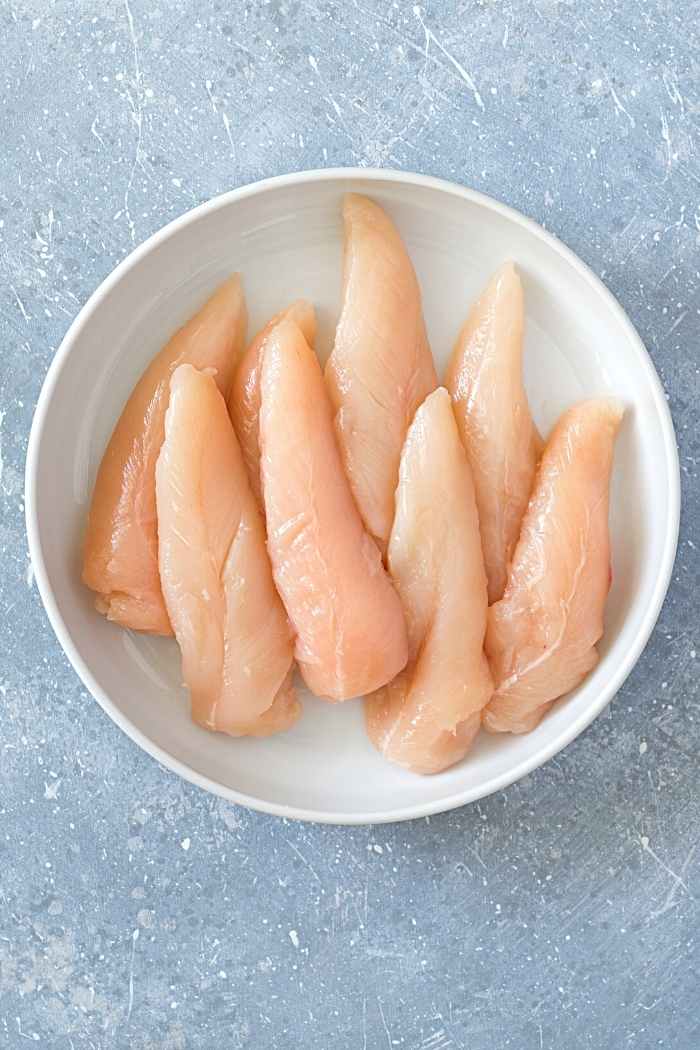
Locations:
(672, 521)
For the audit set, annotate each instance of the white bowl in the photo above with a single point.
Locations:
(285, 236)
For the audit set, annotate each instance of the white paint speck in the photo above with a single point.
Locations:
(51, 790)
(177, 182)
(429, 35)
(222, 974)
(185, 844)
(134, 938)
(642, 747)
(228, 132)
(294, 938)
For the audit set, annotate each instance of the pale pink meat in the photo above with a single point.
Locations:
(351, 632)
(120, 546)
(426, 718)
(381, 368)
(541, 635)
(244, 399)
(236, 641)
(485, 381)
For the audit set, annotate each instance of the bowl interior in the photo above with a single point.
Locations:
(285, 237)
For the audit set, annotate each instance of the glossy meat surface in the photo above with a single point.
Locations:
(244, 399)
(484, 379)
(541, 635)
(351, 633)
(120, 547)
(381, 368)
(237, 644)
(426, 719)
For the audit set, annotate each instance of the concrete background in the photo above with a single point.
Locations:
(137, 911)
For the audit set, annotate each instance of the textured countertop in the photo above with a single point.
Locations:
(137, 911)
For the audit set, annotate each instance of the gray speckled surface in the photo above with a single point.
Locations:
(136, 911)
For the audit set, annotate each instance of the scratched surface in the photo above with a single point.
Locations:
(137, 911)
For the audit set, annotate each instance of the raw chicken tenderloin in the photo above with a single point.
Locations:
(237, 644)
(120, 547)
(485, 382)
(351, 632)
(381, 368)
(541, 635)
(244, 399)
(426, 719)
